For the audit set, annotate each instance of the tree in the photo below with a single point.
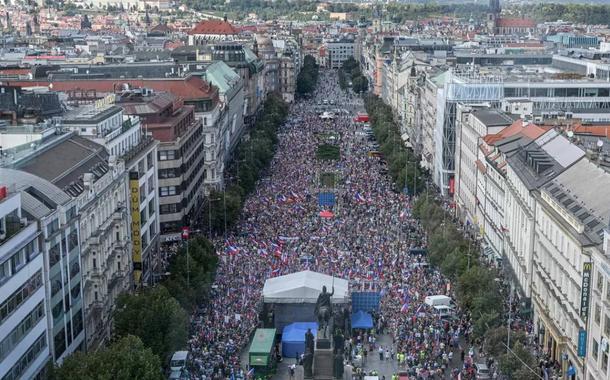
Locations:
(191, 275)
(514, 364)
(155, 317)
(308, 76)
(126, 358)
(360, 84)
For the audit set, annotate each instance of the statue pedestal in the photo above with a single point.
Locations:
(323, 366)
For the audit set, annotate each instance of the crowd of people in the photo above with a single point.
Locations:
(367, 238)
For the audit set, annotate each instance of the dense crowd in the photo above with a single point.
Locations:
(367, 240)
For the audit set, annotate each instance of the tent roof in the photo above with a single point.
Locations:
(303, 287)
(362, 320)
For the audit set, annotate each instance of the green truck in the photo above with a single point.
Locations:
(260, 355)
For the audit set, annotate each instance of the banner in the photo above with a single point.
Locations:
(136, 236)
(585, 291)
(582, 343)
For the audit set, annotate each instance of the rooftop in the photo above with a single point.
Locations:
(65, 163)
(493, 118)
(219, 27)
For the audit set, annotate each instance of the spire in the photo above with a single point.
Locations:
(225, 18)
(255, 47)
(147, 18)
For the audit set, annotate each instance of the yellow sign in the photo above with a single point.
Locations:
(136, 235)
(105, 101)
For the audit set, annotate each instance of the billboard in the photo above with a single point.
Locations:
(136, 235)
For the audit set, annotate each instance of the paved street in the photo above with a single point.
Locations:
(366, 237)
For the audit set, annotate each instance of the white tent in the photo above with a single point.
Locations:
(304, 287)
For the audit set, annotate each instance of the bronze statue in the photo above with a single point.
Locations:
(309, 341)
(338, 365)
(308, 364)
(324, 310)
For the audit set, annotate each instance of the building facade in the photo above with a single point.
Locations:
(24, 345)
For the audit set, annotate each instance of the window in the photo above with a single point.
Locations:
(604, 361)
(5, 271)
(167, 173)
(608, 291)
(598, 314)
(168, 209)
(151, 207)
(149, 160)
(143, 216)
(28, 357)
(72, 240)
(52, 227)
(594, 349)
(75, 292)
(607, 325)
(60, 343)
(600, 282)
(21, 330)
(151, 184)
(74, 269)
(167, 191)
(55, 284)
(77, 322)
(21, 295)
(165, 155)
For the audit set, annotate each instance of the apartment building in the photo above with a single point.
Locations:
(24, 345)
(339, 51)
(57, 218)
(180, 157)
(97, 182)
(598, 330)
(231, 92)
(569, 231)
(472, 125)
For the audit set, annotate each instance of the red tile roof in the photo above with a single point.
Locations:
(515, 23)
(592, 130)
(189, 88)
(531, 131)
(220, 27)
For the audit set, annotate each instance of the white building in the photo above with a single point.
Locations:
(338, 51)
(24, 345)
(57, 216)
(569, 228)
(598, 330)
(472, 125)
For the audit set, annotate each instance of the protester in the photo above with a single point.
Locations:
(367, 240)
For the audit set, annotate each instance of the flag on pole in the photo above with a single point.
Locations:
(404, 308)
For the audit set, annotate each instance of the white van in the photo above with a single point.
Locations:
(178, 361)
(438, 300)
(443, 311)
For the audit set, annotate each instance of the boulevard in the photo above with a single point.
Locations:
(366, 240)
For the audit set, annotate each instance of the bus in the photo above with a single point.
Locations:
(261, 356)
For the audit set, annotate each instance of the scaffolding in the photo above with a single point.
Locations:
(466, 87)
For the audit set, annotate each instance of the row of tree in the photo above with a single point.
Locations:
(251, 158)
(402, 162)
(476, 287)
(571, 12)
(457, 257)
(350, 73)
(308, 76)
(151, 324)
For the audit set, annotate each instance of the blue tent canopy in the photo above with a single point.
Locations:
(293, 338)
(362, 320)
